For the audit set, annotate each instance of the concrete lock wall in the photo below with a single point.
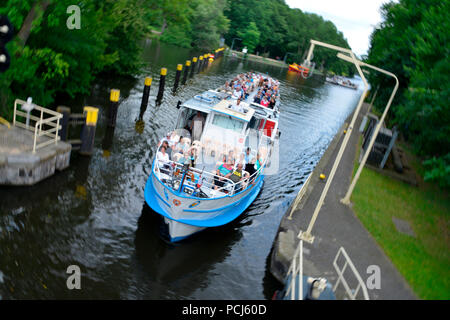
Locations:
(28, 169)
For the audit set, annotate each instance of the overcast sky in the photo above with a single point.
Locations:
(355, 18)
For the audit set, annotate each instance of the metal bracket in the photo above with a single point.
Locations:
(305, 237)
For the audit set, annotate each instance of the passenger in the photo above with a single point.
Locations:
(264, 102)
(258, 162)
(272, 102)
(223, 170)
(237, 93)
(248, 156)
(163, 157)
(241, 160)
(250, 167)
(236, 176)
(257, 98)
(238, 106)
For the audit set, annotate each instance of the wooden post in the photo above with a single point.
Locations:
(177, 77)
(205, 60)
(194, 63)
(186, 71)
(145, 96)
(200, 64)
(64, 132)
(88, 132)
(162, 81)
(112, 115)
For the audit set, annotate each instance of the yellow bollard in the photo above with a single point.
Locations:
(88, 133)
(114, 96)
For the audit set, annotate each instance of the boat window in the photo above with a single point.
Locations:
(228, 122)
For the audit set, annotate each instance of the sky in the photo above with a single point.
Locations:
(356, 19)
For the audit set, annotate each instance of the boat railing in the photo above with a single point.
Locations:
(174, 169)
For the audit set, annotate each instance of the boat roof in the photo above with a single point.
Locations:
(205, 101)
(224, 107)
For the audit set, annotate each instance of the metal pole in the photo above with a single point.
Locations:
(232, 43)
(373, 99)
(307, 235)
(346, 199)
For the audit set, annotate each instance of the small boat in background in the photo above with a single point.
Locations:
(299, 68)
(341, 81)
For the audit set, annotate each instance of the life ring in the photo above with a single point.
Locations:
(176, 202)
(190, 176)
(177, 172)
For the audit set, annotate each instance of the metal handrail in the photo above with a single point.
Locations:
(352, 293)
(38, 132)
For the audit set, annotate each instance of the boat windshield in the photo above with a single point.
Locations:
(227, 122)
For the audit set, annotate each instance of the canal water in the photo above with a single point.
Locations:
(93, 214)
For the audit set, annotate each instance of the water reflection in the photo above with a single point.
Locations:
(183, 267)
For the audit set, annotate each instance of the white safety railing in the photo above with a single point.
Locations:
(352, 293)
(47, 117)
(173, 168)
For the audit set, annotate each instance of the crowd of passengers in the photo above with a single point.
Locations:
(245, 83)
(178, 149)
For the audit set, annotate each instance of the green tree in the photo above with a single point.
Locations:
(250, 36)
(413, 43)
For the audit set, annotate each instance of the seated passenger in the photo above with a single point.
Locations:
(223, 170)
(272, 102)
(163, 158)
(237, 176)
(236, 93)
(264, 102)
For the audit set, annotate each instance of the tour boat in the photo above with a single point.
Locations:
(187, 191)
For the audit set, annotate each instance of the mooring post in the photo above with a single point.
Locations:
(88, 132)
(145, 96)
(162, 82)
(204, 62)
(177, 77)
(64, 132)
(200, 64)
(194, 63)
(112, 115)
(206, 59)
(186, 71)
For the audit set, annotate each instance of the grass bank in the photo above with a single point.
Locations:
(423, 259)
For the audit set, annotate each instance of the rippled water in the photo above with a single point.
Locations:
(94, 215)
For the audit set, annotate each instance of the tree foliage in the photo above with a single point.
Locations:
(250, 36)
(282, 30)
(413, 43)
